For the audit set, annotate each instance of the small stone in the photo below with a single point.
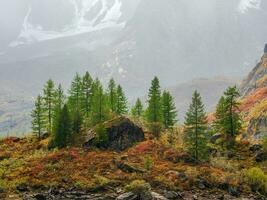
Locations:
(127, 196)
(22, 187)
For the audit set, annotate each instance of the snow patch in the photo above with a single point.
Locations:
(245, 5)
(34, 33)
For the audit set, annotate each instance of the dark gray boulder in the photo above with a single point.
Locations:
(265, 49)
(122, 134)
(261, 156)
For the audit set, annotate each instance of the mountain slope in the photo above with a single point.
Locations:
(254, 102)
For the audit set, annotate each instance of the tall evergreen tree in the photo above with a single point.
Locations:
(169, 110)
(232, 120)
(87, 82)
(121, 104)
(49, 94)
(75, 98)
(63, 132)
(99, 104)
(112, 95)
(59, 100)
(138, 109)
(219, 121)
(196, 136)
(154, 110)
(38, 117)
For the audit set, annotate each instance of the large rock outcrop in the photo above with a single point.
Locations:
(122, 134)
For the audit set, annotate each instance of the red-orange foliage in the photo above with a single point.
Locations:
(249, 101)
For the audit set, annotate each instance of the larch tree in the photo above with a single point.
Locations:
(63, 129)
(87, 82)
(112, 95)
(38, 117)
(168, 110)
(49, 94)
(154, 109)
(59, 100)
(232, 119)
(196, 134)
(75, 103)
(100, 111)
(75, 94)
(138, 109)
(121, 103)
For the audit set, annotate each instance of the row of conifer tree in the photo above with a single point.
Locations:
(88, 104)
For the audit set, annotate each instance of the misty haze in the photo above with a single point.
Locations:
(111, 74)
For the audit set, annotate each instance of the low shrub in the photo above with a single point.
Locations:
(257, 180)
(138, 187)
(223, 163)
(148, 163)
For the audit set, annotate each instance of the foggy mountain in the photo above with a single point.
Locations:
(132, 41)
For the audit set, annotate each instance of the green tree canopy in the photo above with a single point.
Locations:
(196, 136)
(121, 104)
(38, 117)
(168, 110)
(87, 83)
(49, 95)
(154, 110)
(232, 120)
(63, 132)
(138, 109)
(100, 111)
(112, 95)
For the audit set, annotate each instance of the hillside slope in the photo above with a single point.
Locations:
(254, 101)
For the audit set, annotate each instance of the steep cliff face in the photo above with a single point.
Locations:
(254, 100)
(257, 78)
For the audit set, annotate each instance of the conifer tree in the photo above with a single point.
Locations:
(75, 98)
(63, 132)
(196, 136)
(168, 110)
(87, 82)
(99, 104)
(232, 120)
(219, 121)
(154, 110)
(59, 100)
(112, 95)
(138, 109)
(49, 94)
(121, 104)
(38, 117)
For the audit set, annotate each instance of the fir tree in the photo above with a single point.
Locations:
(75, 98)
(112, 95)
(59, 100)
(196, 136)
(121, 104)
(77, 121)
(49, 94)
(154, 110)
(63, 132)
(99, 104)
(168, 110)
(219, 121)
(138, 110)
(232, 120)
(38, 117)
(87, 82)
